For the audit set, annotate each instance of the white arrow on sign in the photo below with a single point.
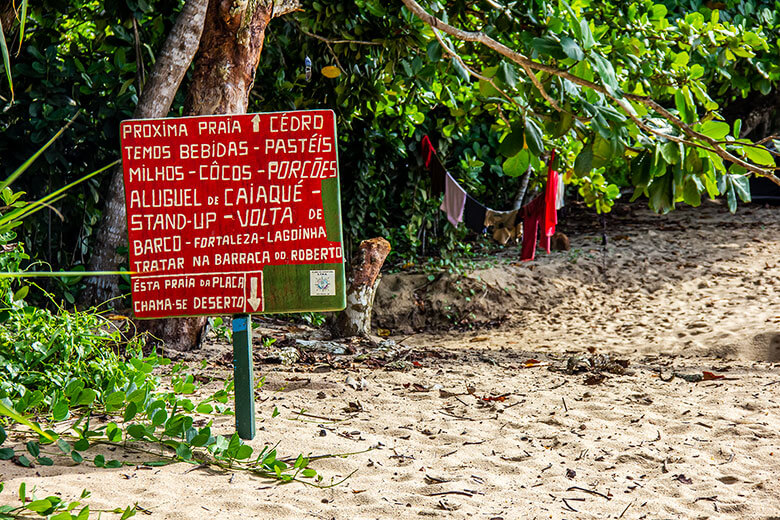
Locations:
(256, 123)
(253, 300)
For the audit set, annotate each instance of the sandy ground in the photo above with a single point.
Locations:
(490, 424)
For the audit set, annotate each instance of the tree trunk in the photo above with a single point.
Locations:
(155, 101)
(355, 320)
(7, 17)
(227, 60)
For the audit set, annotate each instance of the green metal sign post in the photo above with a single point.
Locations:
(243, 376)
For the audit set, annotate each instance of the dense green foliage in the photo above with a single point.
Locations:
(397, 83)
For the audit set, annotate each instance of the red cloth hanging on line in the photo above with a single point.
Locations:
(540, 213)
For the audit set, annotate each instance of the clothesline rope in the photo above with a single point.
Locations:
(461, 207)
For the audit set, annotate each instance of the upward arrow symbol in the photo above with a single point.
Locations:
(256, 123)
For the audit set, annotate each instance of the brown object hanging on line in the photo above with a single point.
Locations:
(504, 224)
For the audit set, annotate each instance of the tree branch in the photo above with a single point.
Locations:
(283, 7)
(526, 63)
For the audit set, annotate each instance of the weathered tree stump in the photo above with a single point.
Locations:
(363, 280)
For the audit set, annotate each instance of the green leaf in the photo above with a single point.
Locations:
(3, 435)
(205, 408)
(513, 142)
(83, 514)
(548, 46)
(518, 164)
(100, 461)
(159, 416)
(39, 506)
(575, 22)
(507, 74)
(587, 37)
(33, 448)
(572, 48)
(741, 187)
(115, 399)
(21, 293)
(6, 453)
(605, 70)
(583, 164)
(759, 155)
(64, 447)
(533, 137)
(86, 397)
(81, 445)
(691, 193)
(45, 461)
(737, 128)
(64, 515)
(683, 100)
(136, 431)
(76, 456)
(715, 129)
(244, 452)
(4, 410)
(129, 512)
(662, 194)
(461, 70)
(60, 411)
(434, 51)
(7, 63)
(183, 451)
(130, 411)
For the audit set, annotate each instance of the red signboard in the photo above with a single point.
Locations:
(233, 214)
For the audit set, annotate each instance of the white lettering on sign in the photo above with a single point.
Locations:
(316, 254)
(256, 257)
(157, 245)
(238, 239)
(158, 221)
(165, 198)
(159, 304)
(163, 264)
(143, 129)
(140, 153)
(298, 145)
(218, 302)
(296, 122)
(219, 127)
(316, 169)
(273, 194)
(213, 149)
(293, 235)
(159, 173)
(264, 217)
(224, 172)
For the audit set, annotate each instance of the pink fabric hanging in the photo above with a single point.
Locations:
(454, 200)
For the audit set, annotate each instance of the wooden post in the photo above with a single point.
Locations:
(243, 375)
(355, 319)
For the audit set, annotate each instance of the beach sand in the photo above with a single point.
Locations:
(487, 422)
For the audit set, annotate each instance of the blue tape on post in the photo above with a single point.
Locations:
(239, 324)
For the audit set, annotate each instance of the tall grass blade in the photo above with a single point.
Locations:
(21, 169)
(8, 412)
(32, 207)
(56, 274)
(6, 62)
(23, 22)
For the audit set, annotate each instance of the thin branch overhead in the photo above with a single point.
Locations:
(529, 65)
